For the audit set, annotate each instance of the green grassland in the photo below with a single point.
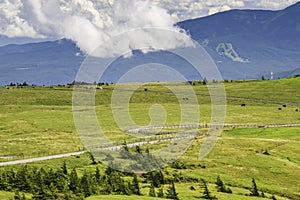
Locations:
(39, 121)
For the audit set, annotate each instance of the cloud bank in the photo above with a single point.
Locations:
(91, 23)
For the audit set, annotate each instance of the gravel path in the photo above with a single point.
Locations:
(16, 162)
(146, 129)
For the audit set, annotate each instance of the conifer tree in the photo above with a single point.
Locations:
(138, 149)
(254, 190)
(97, 175)
(147, 151)
(221, 186)
(92, 158)
(64, 168)
(61, 180)
(21, 179)
(17, 195)
(85, 185)
(74, 181)
(206, 192)
(152, 191)
(171, 192)
(160, 192)
(135, 185)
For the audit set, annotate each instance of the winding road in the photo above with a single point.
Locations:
(154, 140)
(30, 160)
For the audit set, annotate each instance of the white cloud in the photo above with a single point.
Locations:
(90, 22)
(11, 24)
(215, 10)
(273, 4)
(236, 3)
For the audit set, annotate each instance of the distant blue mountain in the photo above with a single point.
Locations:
(245, 44)
(265, 41)
(48, 63)
(4, 40)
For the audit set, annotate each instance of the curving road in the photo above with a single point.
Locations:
(152, 141)
(30, 160)
(109, 148)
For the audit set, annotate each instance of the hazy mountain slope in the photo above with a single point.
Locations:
(266, 40)
(245, 44)
(40, 63)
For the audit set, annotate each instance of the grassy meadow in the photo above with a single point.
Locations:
(38, 121)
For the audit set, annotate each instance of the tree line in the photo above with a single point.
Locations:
(63, 183)
(68, 184)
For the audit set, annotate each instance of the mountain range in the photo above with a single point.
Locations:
(245, 44)
(251, 43)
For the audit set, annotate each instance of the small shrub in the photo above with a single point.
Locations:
(266, 152)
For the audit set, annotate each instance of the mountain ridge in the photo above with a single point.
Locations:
(245, 44)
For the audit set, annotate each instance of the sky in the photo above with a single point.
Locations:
(100, 20)
(187, 9)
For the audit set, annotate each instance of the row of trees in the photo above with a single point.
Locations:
(18, 84)
(65, 183)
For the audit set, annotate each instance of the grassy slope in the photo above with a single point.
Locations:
(6, 195)
(38, 121)
(10, 195)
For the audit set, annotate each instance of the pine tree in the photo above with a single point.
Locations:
(61, 180)
(206, 192)
(92, 158)
(17, 195)
(135, 186)
(147, 151)
(254, 190)
(220, 185)
(50, 177)
(10, 179)
(138, 149)
(116, 184)
(171, 192)
(85, 185)
(64, 168)
(124, 146)
(152, 191)
(40, 187)
(205, 81)
(74, 181)
(160, 192)
(157, 178)
(52, 192)
(21, 179)
(97, 175)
